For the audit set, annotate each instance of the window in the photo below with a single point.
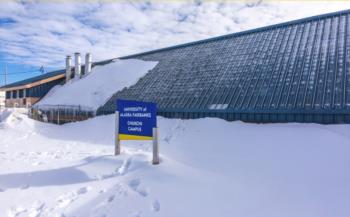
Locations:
(20, 93)
(14, 94)
(8, 94)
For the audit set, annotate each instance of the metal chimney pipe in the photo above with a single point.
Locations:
(77, 67)
(88, 63)
(68, 68)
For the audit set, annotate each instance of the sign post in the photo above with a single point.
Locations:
(116, 139)
(155, 159)
(136, 121)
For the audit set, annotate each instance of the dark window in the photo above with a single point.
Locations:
(21, 93)
(14, 94)
(41, 90)
(8, 94)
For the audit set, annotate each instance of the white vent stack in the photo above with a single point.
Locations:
(77, 67)
(88, 63)
(68, 68)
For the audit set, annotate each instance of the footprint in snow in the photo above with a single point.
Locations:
(135, 185)
(120, 190)
(66, 199)
(83, 190)
(102, 191)
(110, 198)
(167, 138)
(155, 206)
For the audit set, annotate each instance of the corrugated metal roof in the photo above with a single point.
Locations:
(302, 65)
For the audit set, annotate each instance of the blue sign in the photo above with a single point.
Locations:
(136, 119)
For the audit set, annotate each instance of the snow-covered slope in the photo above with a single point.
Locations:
(96, 88)
(209, 167)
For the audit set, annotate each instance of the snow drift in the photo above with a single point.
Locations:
(209, 167)
(96, 88)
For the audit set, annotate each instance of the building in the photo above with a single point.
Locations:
(2, 99)
(297, 71)
(29, 91)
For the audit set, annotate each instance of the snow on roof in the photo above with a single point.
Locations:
(97, 87)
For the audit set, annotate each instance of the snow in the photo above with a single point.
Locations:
(97, 87)
(209, 167)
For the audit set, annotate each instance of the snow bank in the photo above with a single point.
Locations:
(209, 167)
(97, 87)
(4, 113)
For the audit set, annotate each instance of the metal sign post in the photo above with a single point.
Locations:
(136, 120)
(116, 138)
(155, 159)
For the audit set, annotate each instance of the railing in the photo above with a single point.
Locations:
(60, 114)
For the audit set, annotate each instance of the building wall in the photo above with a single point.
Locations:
(328, 117)
(22, 102)
(29, 96)
(2, 99)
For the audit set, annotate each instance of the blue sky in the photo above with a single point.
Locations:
(17, 71)
(41, 33)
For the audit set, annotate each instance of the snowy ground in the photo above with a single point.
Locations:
(209, 167)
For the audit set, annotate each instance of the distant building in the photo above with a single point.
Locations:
(2, 99)
(27, 92)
